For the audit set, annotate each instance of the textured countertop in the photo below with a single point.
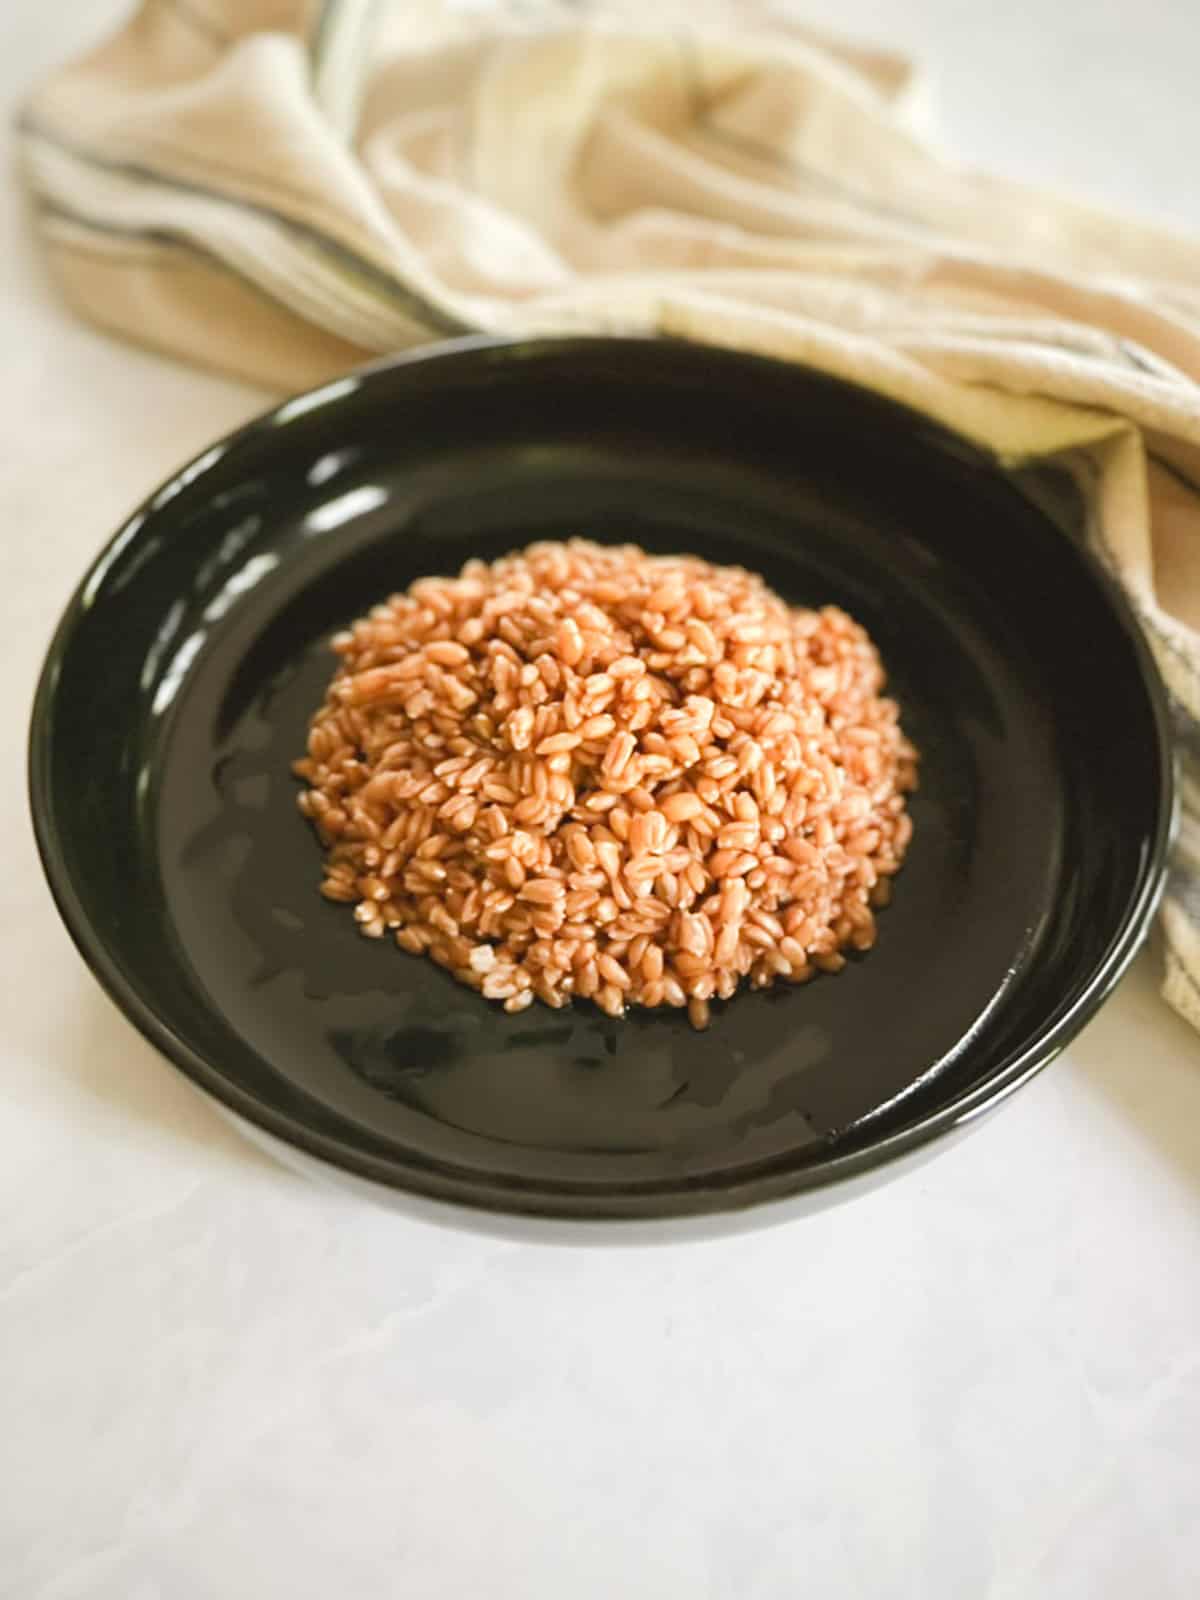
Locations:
(220, 1379)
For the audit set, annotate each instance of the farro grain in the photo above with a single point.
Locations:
(584, 770)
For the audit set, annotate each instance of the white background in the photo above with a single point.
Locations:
(218, 1379)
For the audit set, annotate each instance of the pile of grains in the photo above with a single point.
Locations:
(584, 770)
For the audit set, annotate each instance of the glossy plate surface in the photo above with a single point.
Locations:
(178, 688)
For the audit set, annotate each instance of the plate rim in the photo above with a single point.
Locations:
(563, 1200)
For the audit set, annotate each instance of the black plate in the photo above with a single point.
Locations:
(179, 684)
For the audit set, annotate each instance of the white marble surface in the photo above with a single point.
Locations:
(220, 1380)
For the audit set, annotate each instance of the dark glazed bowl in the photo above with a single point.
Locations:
(178, 686)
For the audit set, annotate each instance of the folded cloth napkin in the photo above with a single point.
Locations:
(283, 187)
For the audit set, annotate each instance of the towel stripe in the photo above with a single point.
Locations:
(66, 175)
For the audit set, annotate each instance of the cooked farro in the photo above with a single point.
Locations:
(585, 770)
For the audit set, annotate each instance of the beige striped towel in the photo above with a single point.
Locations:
(284, 187)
